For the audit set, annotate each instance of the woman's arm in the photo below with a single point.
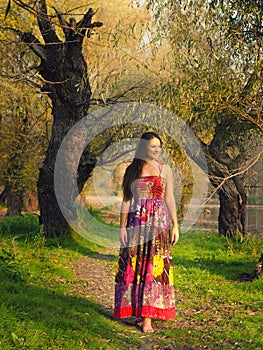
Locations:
(170, 202)
(125, 207)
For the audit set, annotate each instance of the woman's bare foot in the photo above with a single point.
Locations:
(147, 325)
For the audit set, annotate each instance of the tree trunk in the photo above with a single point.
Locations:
(223, 159)
(232, 200)
(68, 108)
(64, 71)
(14, 201)
(231, 218)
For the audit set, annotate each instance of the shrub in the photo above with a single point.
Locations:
(247, 245)
(19, 225)
(11, 267)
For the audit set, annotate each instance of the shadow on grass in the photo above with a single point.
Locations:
(80, 245)
(41, 317)
(230, 270)
(209, 252)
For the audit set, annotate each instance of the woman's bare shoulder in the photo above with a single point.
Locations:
(166, 170)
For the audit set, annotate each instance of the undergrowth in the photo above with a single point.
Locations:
(40, 307)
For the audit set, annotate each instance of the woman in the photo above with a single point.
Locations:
(144, 281)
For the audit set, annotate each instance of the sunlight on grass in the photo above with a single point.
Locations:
(39, 310)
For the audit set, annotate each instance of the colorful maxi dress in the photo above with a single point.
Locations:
(144, 280)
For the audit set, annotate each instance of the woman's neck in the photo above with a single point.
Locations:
(152, 162)
(151, 167)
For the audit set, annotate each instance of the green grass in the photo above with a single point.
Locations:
(39, 311)
(220, 310)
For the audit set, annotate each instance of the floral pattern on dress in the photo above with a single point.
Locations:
(144, 280)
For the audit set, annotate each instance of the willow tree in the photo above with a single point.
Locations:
(62, 68)
(214, 83)
(23, 120)
(23, 139)
(64, 73)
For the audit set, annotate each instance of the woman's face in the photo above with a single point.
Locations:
(154, 148)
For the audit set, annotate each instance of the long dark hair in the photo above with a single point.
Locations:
(134, 170)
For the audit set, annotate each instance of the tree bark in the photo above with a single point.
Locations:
(223, 159)
(65, 73)
(14, 201)
(232, 200)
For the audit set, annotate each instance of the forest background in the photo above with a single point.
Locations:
(200, 60)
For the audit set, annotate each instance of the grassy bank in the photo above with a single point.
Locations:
(41, 309)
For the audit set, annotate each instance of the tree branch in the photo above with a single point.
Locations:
(81, 29)
(47, 31)
(85, 24)
(235, 173)
(114, 99)
(247, 116)
(34, 44)
(30, 39)
(20, 3)
(64, 24)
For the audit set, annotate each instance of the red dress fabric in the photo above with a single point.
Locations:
(144, 280)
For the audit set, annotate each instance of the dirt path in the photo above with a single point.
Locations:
(95, 277)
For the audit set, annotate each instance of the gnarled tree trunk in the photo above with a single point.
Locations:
(220, 165)
(64, 70)
(232, 200)
(232, 212)
(224, 160)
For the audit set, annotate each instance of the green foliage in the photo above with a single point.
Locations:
(212, 77)
(39, 238)
(10, 265)
(45, 310)
(24, 113)
(247, 244)
(19, 225)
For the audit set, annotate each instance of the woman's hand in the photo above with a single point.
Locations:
(123, 236)
(175, 235)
